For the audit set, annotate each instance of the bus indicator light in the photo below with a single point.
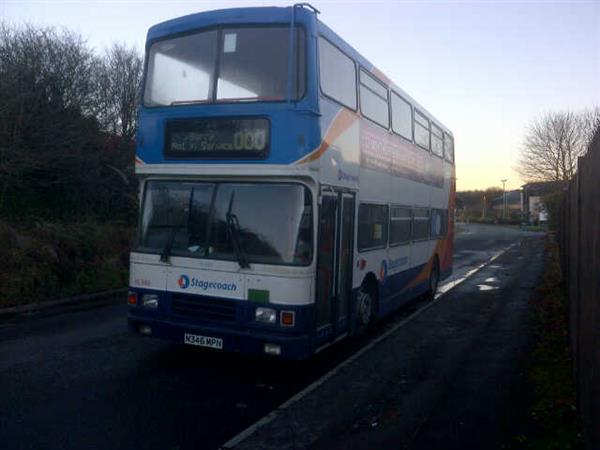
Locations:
(287, 318)
(132, 298)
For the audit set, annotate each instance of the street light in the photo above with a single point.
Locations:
(504, 198)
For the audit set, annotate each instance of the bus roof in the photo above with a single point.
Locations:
(258, 15)
(251, 15)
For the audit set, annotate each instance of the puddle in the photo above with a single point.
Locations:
(486, 287)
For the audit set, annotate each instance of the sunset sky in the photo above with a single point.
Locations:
(484, 68)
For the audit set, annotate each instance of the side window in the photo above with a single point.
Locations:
(374, 99)
(449, 147)
(400, 225)
(372, 226)
(439, 222)
(337, 74)
(421, 224)
(421, 130)
(402, 120)
(437, 140)
(445, 219)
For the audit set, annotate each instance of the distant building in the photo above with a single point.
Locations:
(532, 199)
(513, 205)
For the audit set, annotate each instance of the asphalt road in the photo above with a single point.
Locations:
(78, 380)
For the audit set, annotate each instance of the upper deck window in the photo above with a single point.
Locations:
(437, 140)
(225, 65)
(421, 130)
(374, 99)
(337, 73)
(254, 64)
(401, 117)
(449, 147)
(180, 70)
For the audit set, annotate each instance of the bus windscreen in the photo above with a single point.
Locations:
(271, 223)
(224, 65)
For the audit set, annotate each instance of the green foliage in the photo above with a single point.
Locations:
(54, 260)
(68, 194)
(553, 201)
(478, 205)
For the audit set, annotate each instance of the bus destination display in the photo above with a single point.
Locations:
(217, 137)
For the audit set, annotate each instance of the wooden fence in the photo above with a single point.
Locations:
(579, 240)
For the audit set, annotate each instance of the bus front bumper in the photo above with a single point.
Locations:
(247, 342)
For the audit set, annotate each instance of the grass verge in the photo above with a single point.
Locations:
(46, 261)
(553, 422)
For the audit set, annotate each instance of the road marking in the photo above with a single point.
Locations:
(442, 290)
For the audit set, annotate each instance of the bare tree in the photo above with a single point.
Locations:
(119, 75)
(554, 142)
(589, 122)
(46, 96)
(54, 159)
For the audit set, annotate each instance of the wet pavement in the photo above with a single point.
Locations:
(78, 380)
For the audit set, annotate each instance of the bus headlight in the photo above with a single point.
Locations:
(265, 315)
(150, 301)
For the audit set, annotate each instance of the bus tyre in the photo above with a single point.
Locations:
(434, 279)
(364, 310)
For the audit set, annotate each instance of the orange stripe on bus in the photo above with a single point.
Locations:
(382, 77)
(341, 123)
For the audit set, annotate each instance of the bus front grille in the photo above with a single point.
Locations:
(203, 308)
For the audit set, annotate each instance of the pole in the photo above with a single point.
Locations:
(483, 209)
(504, 198)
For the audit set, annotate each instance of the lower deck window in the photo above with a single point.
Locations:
(439, 222)
(372, 226)
(400, 225)
(421, 224)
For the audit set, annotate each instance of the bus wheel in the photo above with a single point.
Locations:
(364, 310)
(434, 279)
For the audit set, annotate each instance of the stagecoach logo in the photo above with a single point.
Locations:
(383, 270)
(183, 281)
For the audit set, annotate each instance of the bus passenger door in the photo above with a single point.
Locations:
(345, 263)
(334, 264)
(326, 253)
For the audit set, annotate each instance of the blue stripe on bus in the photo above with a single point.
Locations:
(225, 313)
(393, 291)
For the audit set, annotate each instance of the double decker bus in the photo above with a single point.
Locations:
(290, 193)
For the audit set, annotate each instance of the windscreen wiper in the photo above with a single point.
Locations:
(233, 228)
(164, 256)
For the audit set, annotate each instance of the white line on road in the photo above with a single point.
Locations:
(442, 290)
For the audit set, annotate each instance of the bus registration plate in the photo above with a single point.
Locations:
(203, 341)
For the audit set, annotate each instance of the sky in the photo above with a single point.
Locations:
(485, 69)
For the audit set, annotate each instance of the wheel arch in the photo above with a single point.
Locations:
(371, 285)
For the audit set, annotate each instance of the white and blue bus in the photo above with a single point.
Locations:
(291, 194)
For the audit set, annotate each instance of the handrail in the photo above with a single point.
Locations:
(307, 6)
